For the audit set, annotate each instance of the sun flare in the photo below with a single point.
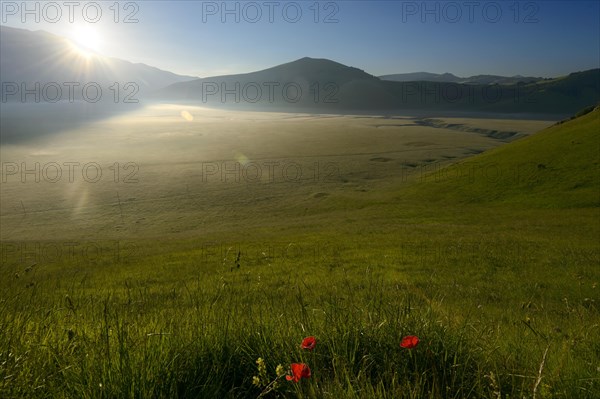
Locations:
(87, 41)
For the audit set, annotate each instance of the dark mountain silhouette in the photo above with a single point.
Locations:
(328, 86)
(417, 76)
(560, 96)
(304, 84)
(450, 78)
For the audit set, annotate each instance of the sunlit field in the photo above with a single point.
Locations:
(169, 169)
(197, 241)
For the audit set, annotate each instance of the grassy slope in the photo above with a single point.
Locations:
(488, 273)
(558, 167)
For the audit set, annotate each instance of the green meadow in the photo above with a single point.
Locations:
(214, 238)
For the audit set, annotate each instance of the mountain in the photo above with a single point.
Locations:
(557, 167)
(50, 63)
(307, 84)
(37, 56)
(418, 76)
(560, 96)
(321, 85)
(450, 78)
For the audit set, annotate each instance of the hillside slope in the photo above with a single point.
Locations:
(556, 167)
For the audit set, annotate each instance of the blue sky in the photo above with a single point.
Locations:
(539, 38)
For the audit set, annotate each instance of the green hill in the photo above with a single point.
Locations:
(557, 167)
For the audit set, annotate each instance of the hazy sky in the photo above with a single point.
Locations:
(539, 38)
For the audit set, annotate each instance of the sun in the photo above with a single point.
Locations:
(86, 40)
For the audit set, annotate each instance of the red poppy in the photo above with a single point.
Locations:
(409, 342)
(309, 343)
(299, 370)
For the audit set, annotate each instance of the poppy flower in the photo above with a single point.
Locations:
(299, 370)
(309, 343)
(409, 342)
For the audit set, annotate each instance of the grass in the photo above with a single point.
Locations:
(502, 290)
(556, 168)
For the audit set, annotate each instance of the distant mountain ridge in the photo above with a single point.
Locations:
(450, 78)
(307, 83)
(315, 85)
(38, 56)
(328, 86)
